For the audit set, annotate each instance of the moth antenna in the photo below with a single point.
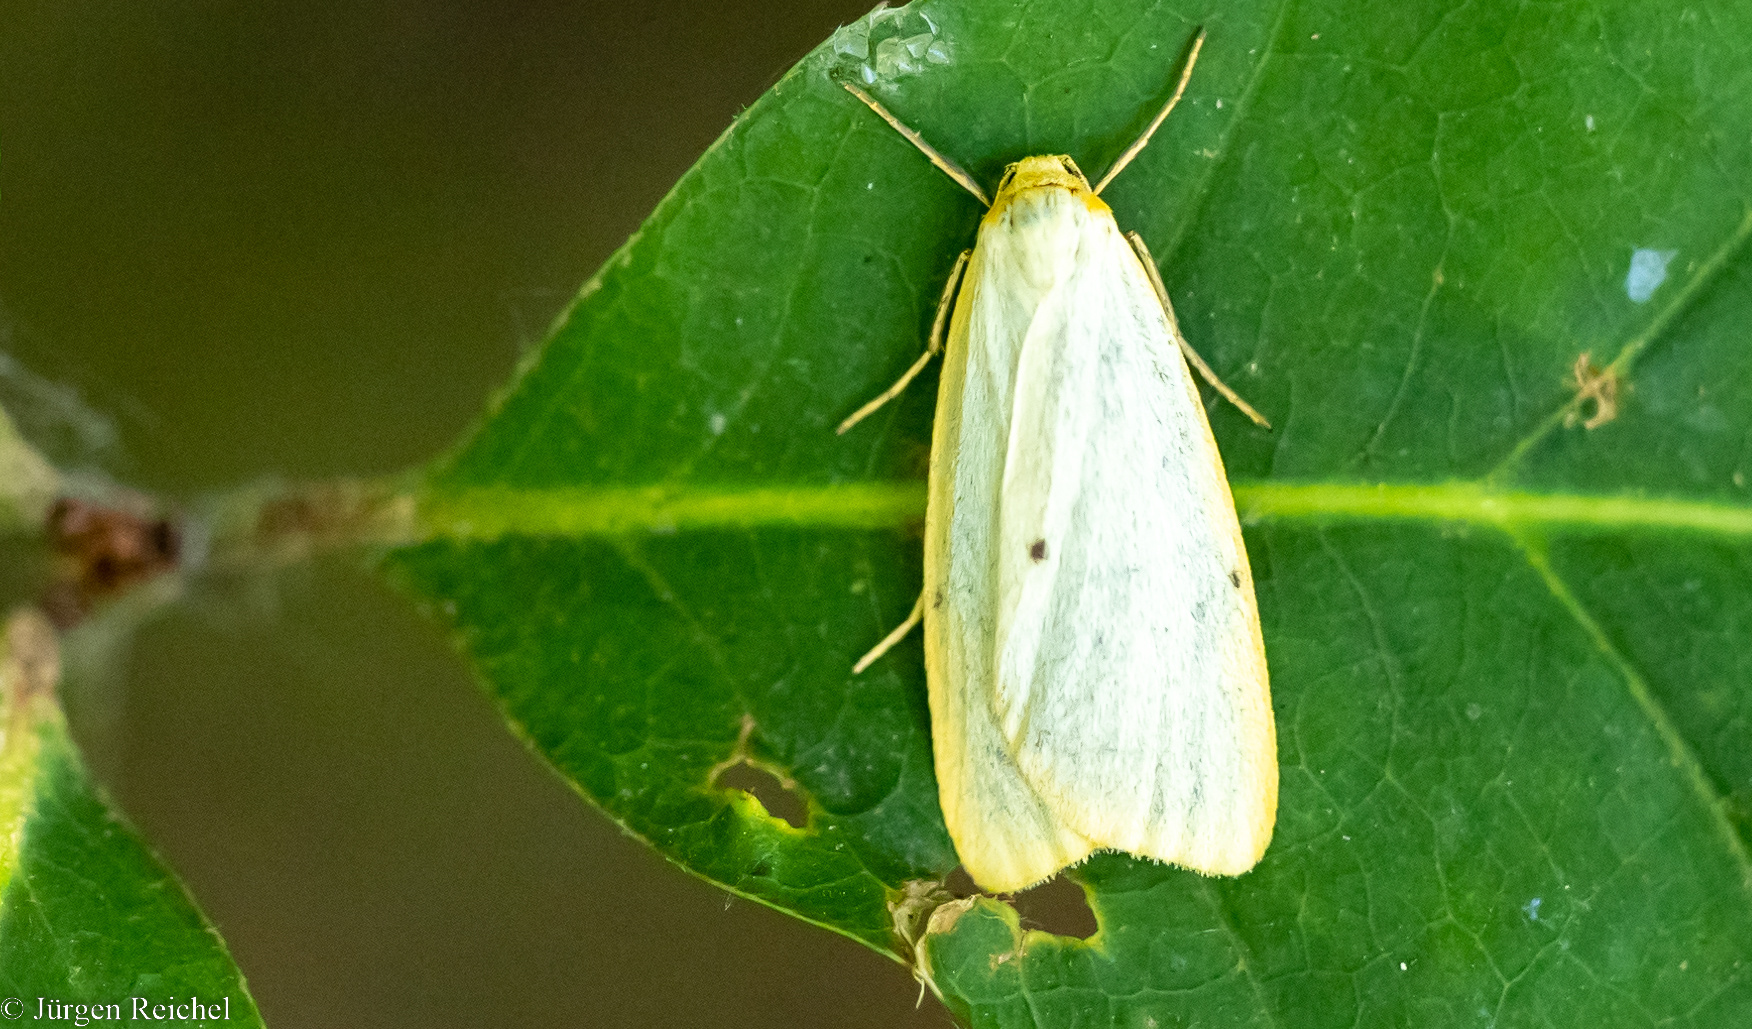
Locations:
(1143, 140)
(949, 168)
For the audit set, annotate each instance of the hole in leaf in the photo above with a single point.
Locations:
(764, 786)
(960, 884)
(1057, 906)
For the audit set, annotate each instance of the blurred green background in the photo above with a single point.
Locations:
(251, 239)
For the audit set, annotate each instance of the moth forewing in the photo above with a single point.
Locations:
(1007, 836)
(1244, 674)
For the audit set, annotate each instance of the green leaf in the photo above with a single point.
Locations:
(88, 916)
(1502, 591)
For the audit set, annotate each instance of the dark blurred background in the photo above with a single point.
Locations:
(248, 238)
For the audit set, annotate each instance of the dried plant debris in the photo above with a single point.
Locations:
(1594, 386)
(103, 551)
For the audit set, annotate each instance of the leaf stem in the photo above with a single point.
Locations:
(274, 524)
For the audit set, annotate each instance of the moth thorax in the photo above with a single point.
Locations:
(1039, 235)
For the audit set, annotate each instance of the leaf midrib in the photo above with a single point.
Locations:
(494, 512)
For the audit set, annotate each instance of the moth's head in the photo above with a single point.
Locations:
(1050, 171)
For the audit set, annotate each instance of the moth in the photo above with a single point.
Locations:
(1093, 655)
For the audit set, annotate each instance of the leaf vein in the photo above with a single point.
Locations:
(1679, 751)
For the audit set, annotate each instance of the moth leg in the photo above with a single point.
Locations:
(1192, 358)
(1138, 145)
(899, 633)
(931, 349)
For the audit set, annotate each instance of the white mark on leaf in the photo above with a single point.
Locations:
(1648, 269)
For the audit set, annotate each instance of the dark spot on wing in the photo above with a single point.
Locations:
(1037, 550)
(1235, 579)
(937, 600)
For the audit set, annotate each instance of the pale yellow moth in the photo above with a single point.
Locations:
(1092, 648)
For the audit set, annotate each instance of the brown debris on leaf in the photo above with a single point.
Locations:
(918, 899)
(1599, 385)
(915, 914)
